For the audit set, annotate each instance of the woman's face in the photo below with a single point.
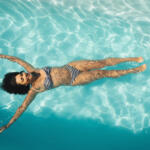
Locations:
(23, 78)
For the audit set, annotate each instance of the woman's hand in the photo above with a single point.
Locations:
(23, 63)
(3, 128)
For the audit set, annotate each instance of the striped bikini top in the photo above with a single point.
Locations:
(48, 83)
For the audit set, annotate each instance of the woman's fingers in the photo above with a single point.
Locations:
(2, 129)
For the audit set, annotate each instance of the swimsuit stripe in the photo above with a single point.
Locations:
(48, 83)
(74, 72)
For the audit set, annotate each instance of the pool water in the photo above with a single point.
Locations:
(105, 114)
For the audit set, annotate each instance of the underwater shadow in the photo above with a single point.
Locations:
(59, 133)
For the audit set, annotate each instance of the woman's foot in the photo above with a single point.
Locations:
(140, 68)
(139, 59)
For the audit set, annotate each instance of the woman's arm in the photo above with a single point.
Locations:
(23, 63)
(29, 98)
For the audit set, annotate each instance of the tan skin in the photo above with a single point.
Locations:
(61, 76)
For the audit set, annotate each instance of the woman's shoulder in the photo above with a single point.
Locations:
(37, 89)
(37, 85)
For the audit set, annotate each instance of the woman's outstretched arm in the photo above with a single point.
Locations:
(23, 63)
(29, 98)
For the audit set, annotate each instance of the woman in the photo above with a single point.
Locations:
(75, 73)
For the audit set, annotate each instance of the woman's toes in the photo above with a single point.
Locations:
(140, 59)
(144, 67)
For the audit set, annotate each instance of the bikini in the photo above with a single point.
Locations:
(48, 83)
(74, 72)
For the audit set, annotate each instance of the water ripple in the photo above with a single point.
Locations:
(56, 32)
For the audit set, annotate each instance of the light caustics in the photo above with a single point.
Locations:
(56, 32)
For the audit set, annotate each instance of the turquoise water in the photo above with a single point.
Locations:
(106, 114)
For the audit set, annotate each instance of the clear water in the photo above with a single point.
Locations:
(106, 114)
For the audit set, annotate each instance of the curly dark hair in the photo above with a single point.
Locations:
(9, 84)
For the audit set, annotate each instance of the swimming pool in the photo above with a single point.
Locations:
(53, 33)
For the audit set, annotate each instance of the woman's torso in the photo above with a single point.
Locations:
(58, 75)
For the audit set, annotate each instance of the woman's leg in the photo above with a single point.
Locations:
(89, 76)
(85, 65)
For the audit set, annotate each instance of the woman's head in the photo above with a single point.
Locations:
(17, 82)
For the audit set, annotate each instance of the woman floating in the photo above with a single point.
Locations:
(37, 80)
